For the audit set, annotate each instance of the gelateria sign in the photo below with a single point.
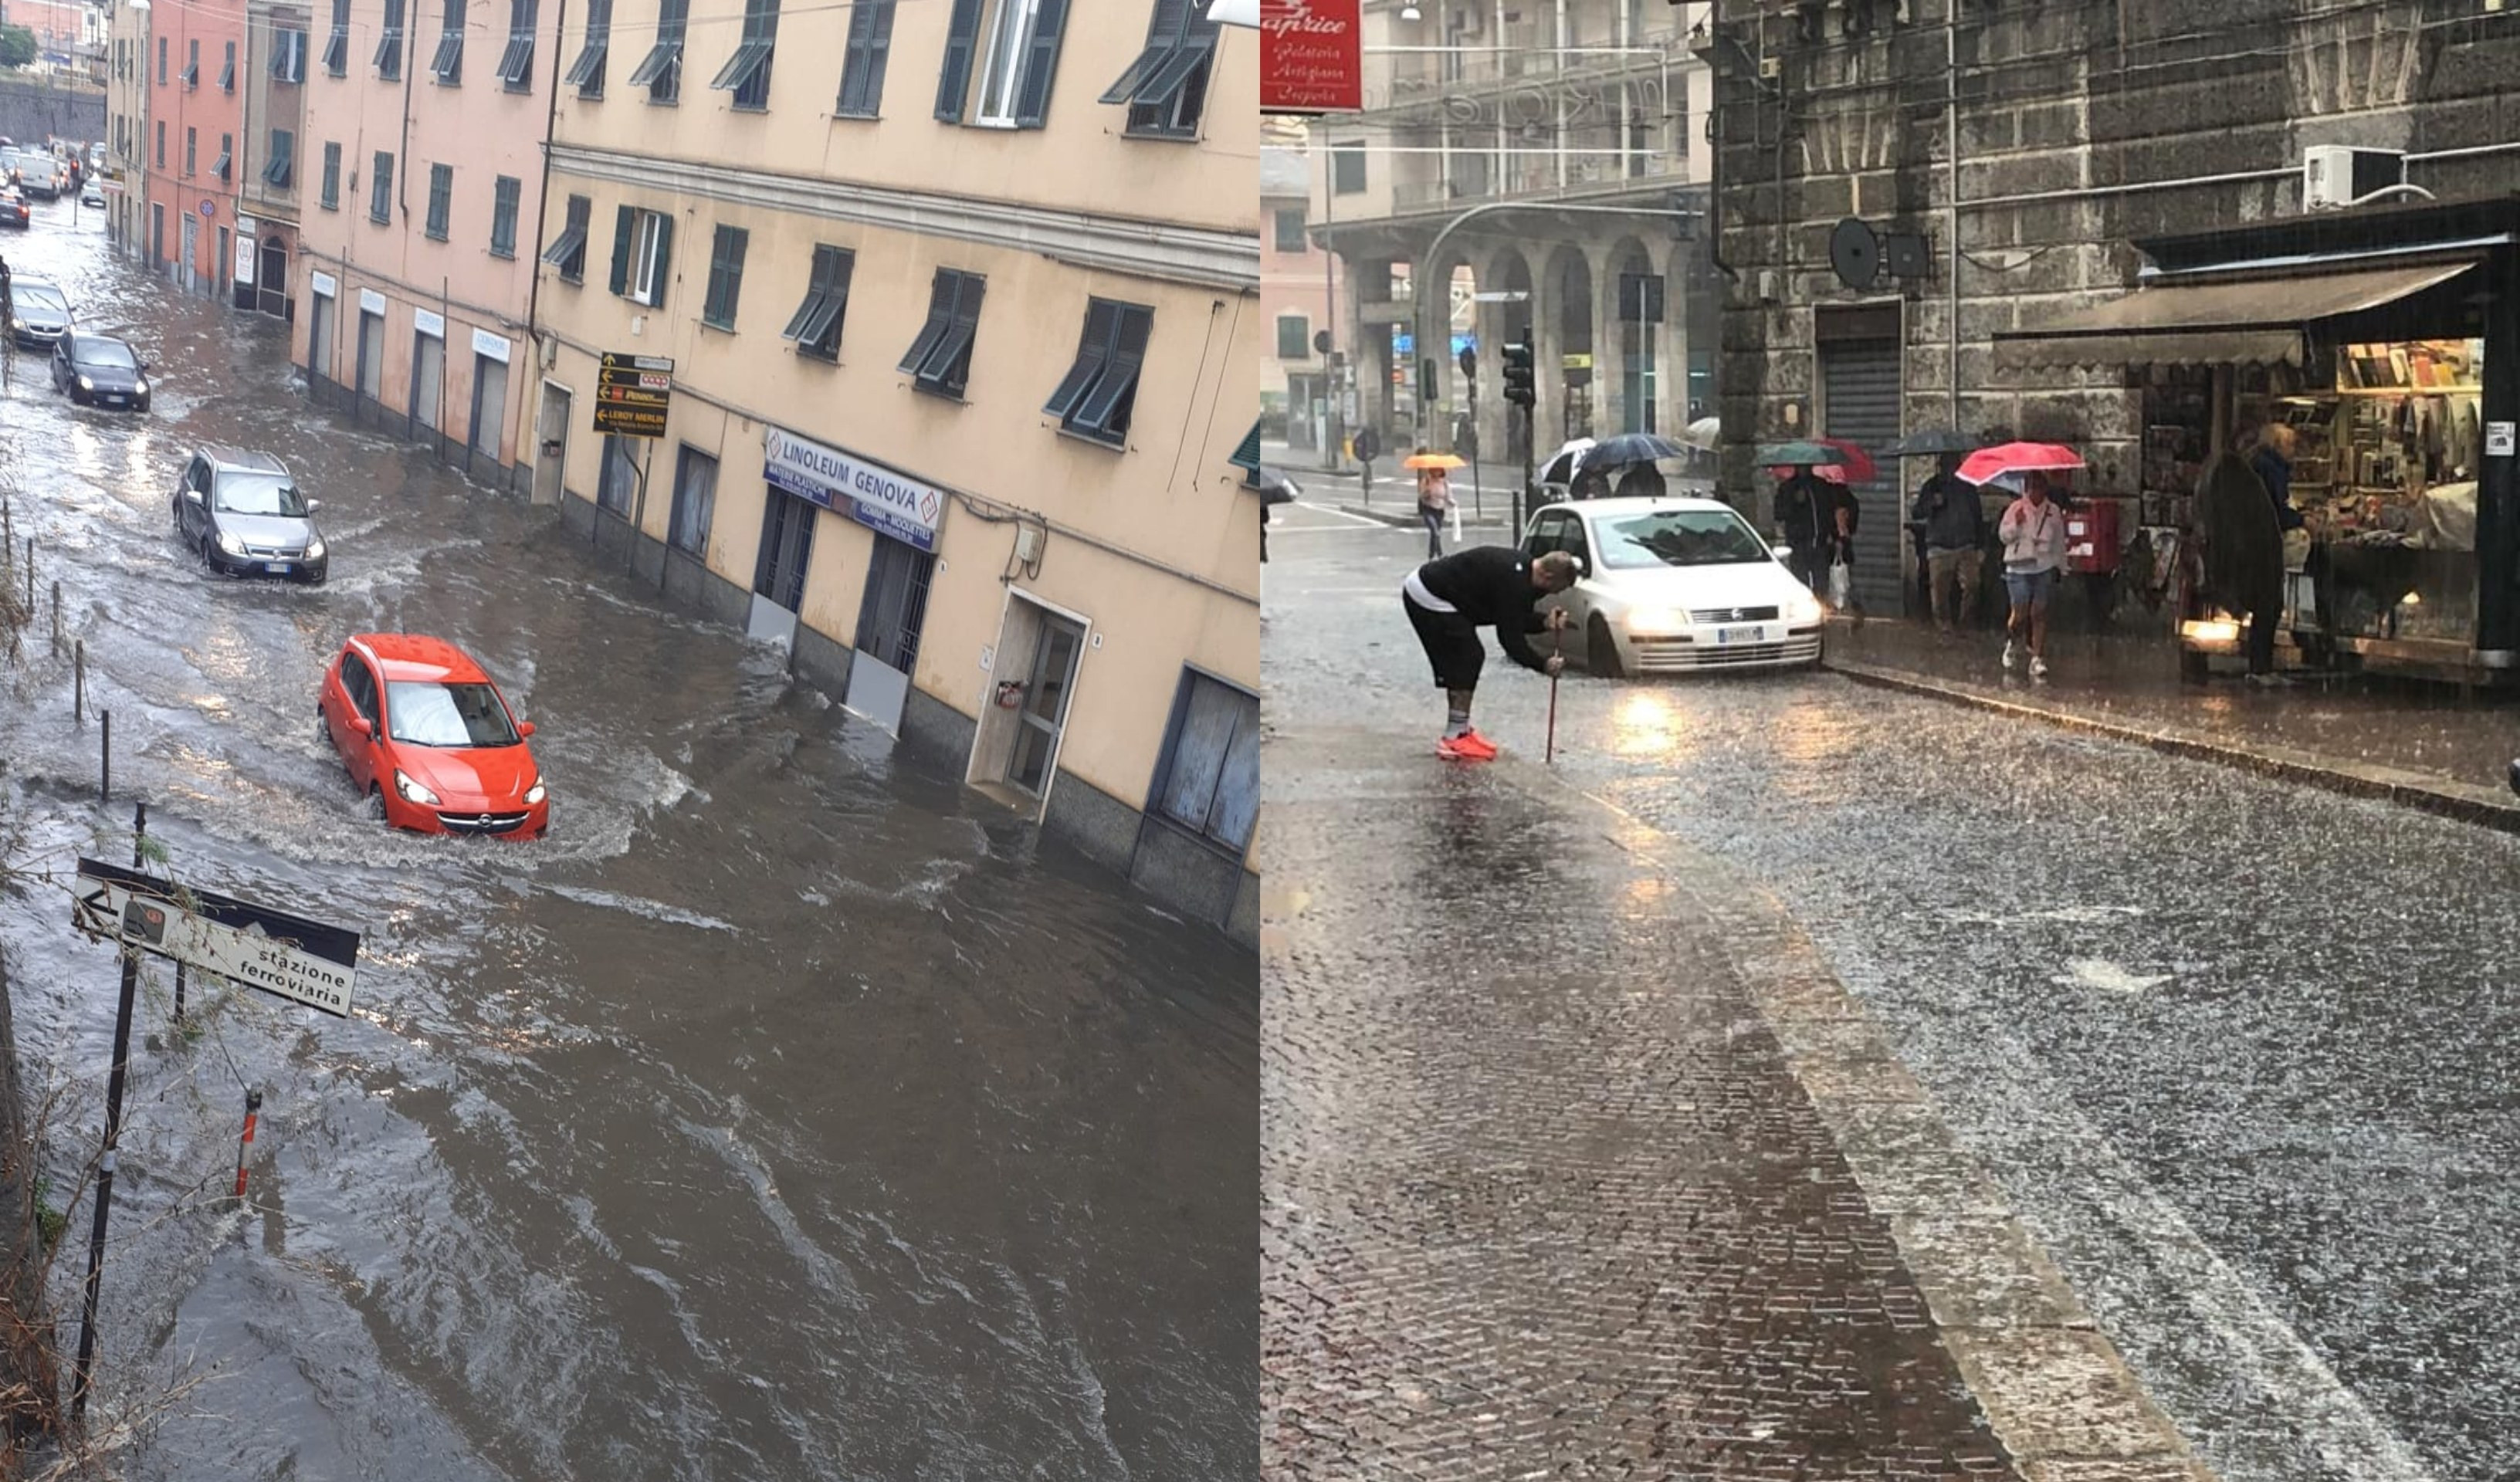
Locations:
(844, 483)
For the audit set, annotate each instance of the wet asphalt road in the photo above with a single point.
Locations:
(787, 1114)
(2239, 1053)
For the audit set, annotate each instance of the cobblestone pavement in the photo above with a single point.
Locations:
(1541, 1195)
(2233, 1052)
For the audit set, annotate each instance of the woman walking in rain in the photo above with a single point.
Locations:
(1435, 505)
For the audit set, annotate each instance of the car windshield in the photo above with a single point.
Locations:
(40, 295)
(447, 715)
(260, 494)
(1675, 538)
(108, 354)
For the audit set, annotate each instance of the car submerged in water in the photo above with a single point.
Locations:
(243, 514)
(430, 741)
(100, 371)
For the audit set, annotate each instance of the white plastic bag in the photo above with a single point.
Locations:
(1456, 522)
(1841, 584)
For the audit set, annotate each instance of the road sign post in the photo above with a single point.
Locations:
(633, 396)
(287, 955)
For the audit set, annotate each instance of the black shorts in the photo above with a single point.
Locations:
(1452, 645)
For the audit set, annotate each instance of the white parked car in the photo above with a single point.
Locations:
(1671, 585)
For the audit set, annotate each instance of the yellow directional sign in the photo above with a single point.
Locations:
(632, 394)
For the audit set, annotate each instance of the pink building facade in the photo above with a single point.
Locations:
(1297, 282)
(194, 149)
(420, 217)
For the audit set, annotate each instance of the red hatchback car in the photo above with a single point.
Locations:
(431, 740)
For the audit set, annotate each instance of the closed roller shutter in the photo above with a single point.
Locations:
(1860, 403)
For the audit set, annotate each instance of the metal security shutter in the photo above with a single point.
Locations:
(1860, 402)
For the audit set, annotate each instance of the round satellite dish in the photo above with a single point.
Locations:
(1856, 253)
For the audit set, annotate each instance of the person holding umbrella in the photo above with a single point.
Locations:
(1955, 538)
(1434, 494)
(1449, 600)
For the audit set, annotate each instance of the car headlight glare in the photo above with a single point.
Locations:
(1656, 620)
(1804, 608)
(315, 549)
(140, 387)
(412, 791)
(229, 543)
(536, 794)
(86, 384)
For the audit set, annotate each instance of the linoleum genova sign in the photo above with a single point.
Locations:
(844, 483)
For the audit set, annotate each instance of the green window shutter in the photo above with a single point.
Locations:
(625, 227)
(961, 41)
(664, 257)
(1032, 98)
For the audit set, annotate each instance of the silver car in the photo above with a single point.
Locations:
(39, 312)
(243, 514)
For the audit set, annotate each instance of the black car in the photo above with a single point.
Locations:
(14, 210)
(100, 371)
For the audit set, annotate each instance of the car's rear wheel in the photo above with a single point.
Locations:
(1602, 651)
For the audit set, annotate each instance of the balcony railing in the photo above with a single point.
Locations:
(1471, 175)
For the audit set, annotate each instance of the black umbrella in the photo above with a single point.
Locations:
(1276, 489)
(1561, 469)
(1627, 450)
(1933, 443)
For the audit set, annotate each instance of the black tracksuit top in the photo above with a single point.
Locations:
(1490, 586)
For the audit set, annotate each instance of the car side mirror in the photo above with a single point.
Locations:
(314, 505)
(193, 494)
(1781, 553)
(359, 724)
(524, 728)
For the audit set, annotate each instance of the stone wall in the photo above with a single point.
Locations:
(2082, 127)
(31, 112)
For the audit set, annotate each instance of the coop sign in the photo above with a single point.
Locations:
(289, 955)
(844, 483)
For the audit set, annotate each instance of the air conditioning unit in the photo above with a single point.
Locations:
(2334, 175)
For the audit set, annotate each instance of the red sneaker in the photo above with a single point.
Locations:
(1465, 748)
(1473, 745)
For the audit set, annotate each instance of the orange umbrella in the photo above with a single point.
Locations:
(1433, 461)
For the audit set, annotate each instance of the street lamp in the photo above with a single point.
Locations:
(1410, 12)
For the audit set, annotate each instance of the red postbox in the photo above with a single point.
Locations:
(2092, 537)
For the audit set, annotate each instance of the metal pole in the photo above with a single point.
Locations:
(57, 621)
(78, 681)
(83, 1375)
(253, 1104)
(105, 757)
(179, 993)
(1521, 493)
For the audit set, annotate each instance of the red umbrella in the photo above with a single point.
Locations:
(1987, 463)
(1858, 464)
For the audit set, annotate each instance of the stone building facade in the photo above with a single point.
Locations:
(2054, 158)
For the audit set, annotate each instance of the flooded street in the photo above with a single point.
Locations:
(786, 1114)
(2236, 1050)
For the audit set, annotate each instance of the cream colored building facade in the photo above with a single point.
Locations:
(960, 300)
(419, 184)
(127, 121)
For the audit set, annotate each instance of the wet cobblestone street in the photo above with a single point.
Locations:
(2218, 1057)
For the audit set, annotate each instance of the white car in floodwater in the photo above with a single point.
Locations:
(1673, 585)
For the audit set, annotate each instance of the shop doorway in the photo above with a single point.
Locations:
(427, 379)
(1858, 391)
(489, 410)
(1043, 718)
(319, 340)
(890, 620)
(157, 234)
(190, 274)
(779, 575)
(1034, 672)
(372, 356)
(272, 278)
(219, 266)
(551, 451)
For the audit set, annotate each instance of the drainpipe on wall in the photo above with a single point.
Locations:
(534, 263)
(1952, 127)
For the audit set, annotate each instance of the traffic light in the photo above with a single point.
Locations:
(1519, 389)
